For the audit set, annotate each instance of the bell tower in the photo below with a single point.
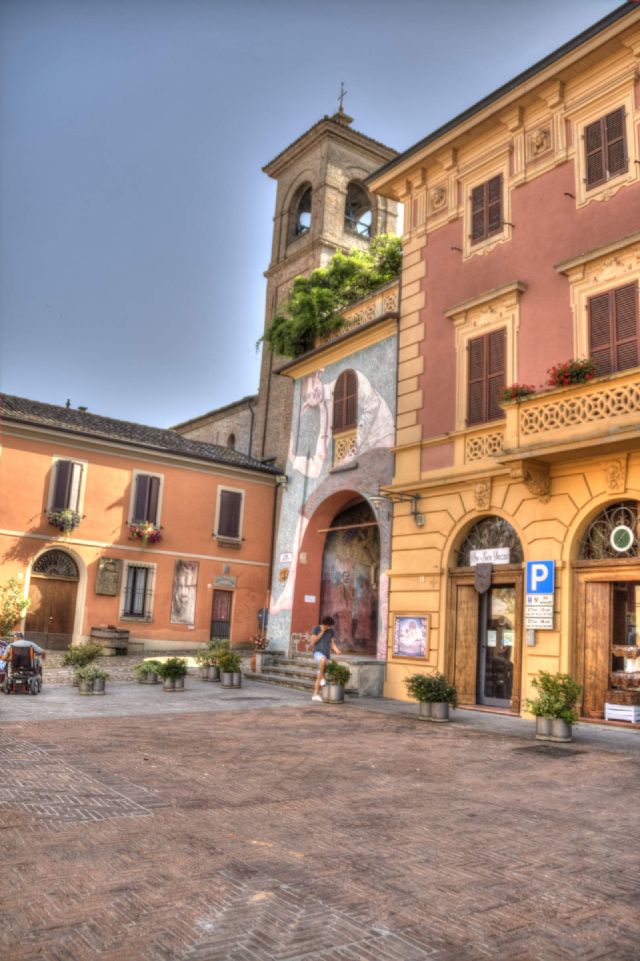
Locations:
(322, 205)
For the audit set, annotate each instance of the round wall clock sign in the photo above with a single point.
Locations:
(622, 538)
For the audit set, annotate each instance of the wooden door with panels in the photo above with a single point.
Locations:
(52, 600)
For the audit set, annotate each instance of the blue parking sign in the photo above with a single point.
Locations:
(540, 577)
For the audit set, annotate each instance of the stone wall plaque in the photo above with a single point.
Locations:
(225, 581)
(108, 576)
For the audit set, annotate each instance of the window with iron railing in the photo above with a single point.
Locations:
(138, 592)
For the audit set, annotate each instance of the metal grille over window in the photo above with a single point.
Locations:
(613, 533)
(56, 564)
(488, 533)
(137, 597)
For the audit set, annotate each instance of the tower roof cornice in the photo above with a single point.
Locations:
(338, 127)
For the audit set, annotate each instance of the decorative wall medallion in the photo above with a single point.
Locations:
(540, 141)
(482, 494)
(615, 473)
(438, 198)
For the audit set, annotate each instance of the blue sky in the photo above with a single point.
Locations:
(135, 221)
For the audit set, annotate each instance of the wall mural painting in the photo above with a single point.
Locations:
(350, 568)
(183, 596)
(375, 427)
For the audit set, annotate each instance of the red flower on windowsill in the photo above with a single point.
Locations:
(145, 531)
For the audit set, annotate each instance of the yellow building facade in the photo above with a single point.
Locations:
(522, 253)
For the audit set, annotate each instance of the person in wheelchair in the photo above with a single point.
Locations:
(23, 669)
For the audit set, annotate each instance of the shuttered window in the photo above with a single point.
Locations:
(486, 377)
(605, 148)
(229, 514)
(613, 329)
(486, 209)
(146, 498)
(66, 485)
(345, 401)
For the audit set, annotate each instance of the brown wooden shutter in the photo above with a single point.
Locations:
(478, 229)
(594, 153)
(496, 356)
(339, 401)
(600, 332)
(476, 381)
(345, 401)
(494, 205)
(616, 145)
(229, 517)
(61, 485)
(154, 494)
(625, 304)
(351, 399)
(141, 498)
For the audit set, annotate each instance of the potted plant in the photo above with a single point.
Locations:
(147, 671)
(90, 679)
(99, 680)
(146, 532)
(13, 605)
(66, 520)
(209, 669)
(337, 677)
(575, 371)
(173, 672)
(555, 706)
(516, 392)
(434, 694)
(80, 655)
(230, 674)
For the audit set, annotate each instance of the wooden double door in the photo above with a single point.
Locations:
(606, 621)
(51, 612)
(485, 638)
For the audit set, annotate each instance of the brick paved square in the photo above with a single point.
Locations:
(312, 834)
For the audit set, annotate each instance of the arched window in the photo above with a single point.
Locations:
(345, 401)
(56, 564)
(490, 533)
(613, 533)
(300, 221)
(357, 210)
(231, 441)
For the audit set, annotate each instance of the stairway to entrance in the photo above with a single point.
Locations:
(297, 671)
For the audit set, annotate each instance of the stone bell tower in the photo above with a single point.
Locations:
(322, 205)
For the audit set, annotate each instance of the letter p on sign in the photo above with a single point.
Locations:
(540, 577)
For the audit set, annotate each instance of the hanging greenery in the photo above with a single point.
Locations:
(314, 307)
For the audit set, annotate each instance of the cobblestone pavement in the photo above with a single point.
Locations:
(304, 832)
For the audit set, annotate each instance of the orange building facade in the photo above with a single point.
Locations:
(522, 251)
(114, 524)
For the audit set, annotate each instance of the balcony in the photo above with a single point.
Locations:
(375, 306)
(603, 413)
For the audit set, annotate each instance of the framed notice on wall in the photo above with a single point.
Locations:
(410, 635)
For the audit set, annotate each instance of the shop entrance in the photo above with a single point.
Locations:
(496, 642)
(485, 616)
(607, 588)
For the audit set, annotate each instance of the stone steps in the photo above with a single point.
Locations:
(297, 672)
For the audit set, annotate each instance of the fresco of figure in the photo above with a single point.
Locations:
(375, 427)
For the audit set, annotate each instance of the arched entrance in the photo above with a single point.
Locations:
(52, 595)
(485, 615)
(607, 575)
(350, 569)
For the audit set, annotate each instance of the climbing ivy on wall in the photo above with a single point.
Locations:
(313, 309)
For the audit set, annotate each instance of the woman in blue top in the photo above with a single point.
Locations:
(325, 644)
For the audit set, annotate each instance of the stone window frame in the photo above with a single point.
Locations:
(496, 309)
(152, 570)
(84, 465)
(597, 272)
(620, 96)
(497, 164)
